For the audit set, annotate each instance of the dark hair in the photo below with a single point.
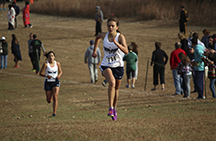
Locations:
(194, 41)
(182, 6)
(15, 39)
(134, 47)
(34, 36)
(157, 45)
(196, 35)
(47, 54)
(27, 3)
(115, 19)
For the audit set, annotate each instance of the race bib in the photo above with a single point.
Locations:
(51, 79)
(112, 59)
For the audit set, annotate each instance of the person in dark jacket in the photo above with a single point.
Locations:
(183, 20)
(17, 10)
(99, 20)
(16, 51)
(4, 53)
(184, 43)
(159, 65)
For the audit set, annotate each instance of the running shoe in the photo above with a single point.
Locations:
(111, 114)
(133, 86)
(114, 118)
(33, 70)
(16, 66)
(54, 115)
(127, 86)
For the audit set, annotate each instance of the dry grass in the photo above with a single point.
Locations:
(83, 107)
(200, 12)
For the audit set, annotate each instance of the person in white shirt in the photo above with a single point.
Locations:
(112, 65)
(52, 72)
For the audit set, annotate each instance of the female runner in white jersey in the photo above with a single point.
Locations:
(112, 66)
(52, 72)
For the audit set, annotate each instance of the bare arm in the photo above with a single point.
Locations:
(97, 40)
(122, 45)
(43, 70)
(59, 70)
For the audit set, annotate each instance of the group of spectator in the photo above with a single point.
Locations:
(34, 50)
(14, 11)
(191, 58)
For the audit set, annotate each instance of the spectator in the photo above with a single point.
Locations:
(199, 67)
(174, 61)
(205, 38)
(4, 53)
(211, 43)
(191, 56)
(158, 56)
(36, 45)
(92, 62)
(26, 15)
(183, 20)
(196, 35)
(189, 39)
(135, 50)
(30, 51)
(2, 5)
(185, 70)
(16, 51)
(99, 20)
(11, 17)
(184, 43)
(17, 10)
(131, 59)
(211, 74)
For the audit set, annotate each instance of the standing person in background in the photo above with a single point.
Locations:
(199, 67)
(185, 70)
(36, 45)
(26, 15)
(99, 20)
(174, 61)
(4, 53)
(30, 51)
(112, 65)
(16, 51)
(17, 10)
(31, 1)
(135, 50)
(2, 5)
(183, 20)
(52, 72)
(131, 59)
(11, 17)
(184, 43)
(92, 62)
(205, 37)
(158, 56)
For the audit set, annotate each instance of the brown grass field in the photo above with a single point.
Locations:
(82, 112)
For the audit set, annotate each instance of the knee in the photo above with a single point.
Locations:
(112, 83)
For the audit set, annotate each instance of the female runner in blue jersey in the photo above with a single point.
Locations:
(52, 72)
(112, 66)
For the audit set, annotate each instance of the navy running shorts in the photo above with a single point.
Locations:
(118, 72)
(48, 86)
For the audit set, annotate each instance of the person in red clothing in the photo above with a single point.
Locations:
(26, 17)
(174, 61)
